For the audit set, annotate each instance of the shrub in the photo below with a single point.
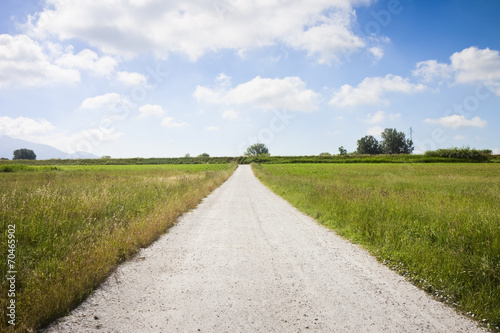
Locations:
(465, 153)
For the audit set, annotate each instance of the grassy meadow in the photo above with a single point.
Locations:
(74, 224)
(437, 224)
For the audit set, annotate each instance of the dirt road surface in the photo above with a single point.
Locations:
(247, 261)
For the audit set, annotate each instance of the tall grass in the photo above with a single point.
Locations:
(75, 224)
(437, 224)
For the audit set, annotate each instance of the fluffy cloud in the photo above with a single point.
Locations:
(43, 131)
(23, 62)
(25, 128)
(131, 79)
(470, 65)
(430, 70)
(289, 93)
(107, 101)
(321, 28)
(87, 60)
(371, 90)
(157, 111)
(457, 121)
(329, 38)
(473, 65)
(170, 122)
(377, 52)
(149, 110)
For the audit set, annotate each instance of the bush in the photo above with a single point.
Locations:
(461, 153)
(24, 154)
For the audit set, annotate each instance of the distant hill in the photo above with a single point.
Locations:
(43, 152)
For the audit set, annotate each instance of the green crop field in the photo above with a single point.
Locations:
(437, 224)
(65, 228)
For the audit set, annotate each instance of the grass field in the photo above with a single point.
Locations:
(74, 224)
(455, 156)
(437, 224)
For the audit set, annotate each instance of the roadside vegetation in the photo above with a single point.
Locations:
(462, 153)
(436, 224)
(7, 165)
(74, 224)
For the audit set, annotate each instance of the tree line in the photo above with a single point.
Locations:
(393, 142)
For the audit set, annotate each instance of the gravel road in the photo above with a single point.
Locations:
(247, 261)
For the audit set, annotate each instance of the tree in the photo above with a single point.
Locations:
(394, 142)
(342, 150)
(369, 145)
(257, 149)
(204, 155)
(24, 154)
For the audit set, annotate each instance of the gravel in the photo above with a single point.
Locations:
(247, 261)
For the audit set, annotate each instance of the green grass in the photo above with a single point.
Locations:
(76, 223)
(437, 224)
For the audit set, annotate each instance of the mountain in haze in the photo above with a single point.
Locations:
(43, 152)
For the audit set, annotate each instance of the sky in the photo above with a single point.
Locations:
(153, 78)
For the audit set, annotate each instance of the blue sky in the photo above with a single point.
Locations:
(145, 78)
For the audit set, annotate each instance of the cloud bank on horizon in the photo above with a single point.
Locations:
(151, 78)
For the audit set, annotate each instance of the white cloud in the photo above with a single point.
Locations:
(24, 63)
(170, 122)
(471, 65)
(212, 128)
(149, 110)
(371, 90)
(457, 121)
(223, 80)
(43, 131)
(459, 137)
(230, 114)
(107, 101)
(430, 70)
(289, 93)
(377, 52)
(328, 38)
(131, 79)
(25, 128)
(321, 28)
(87, 60)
